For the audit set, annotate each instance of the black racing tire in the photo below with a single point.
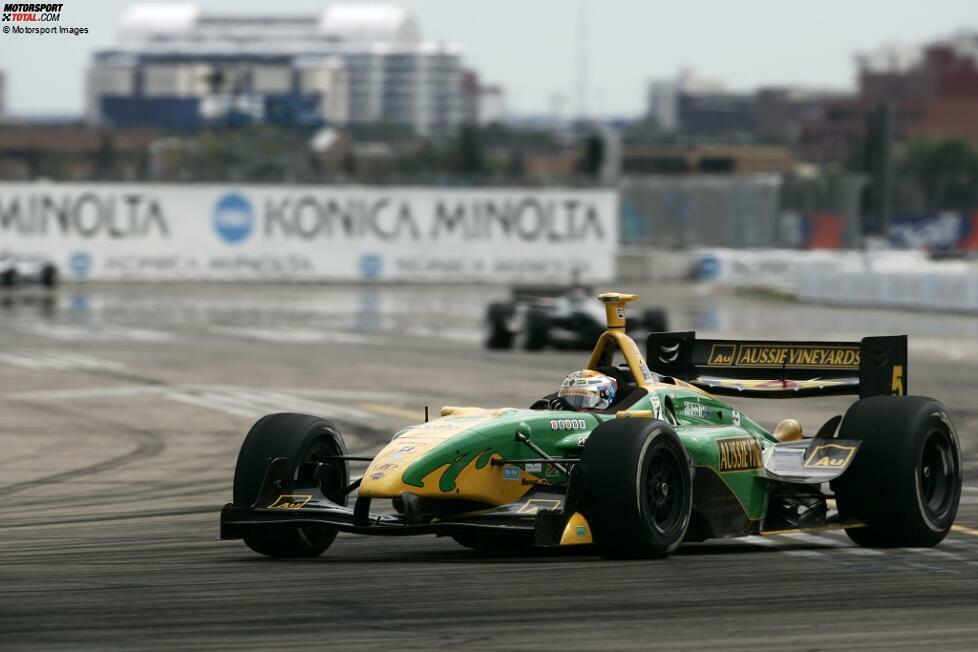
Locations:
(303, 440)
(655, 320)
(904, 483)
(638, 489)
(8, 278)
(49, 276)
(588, 329)
(499, 336)
(493, 543)
(537, 326)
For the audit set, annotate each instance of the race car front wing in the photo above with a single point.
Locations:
(540, 516)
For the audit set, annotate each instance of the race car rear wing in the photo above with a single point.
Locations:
(874, 366)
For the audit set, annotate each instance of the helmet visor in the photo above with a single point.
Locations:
(580, 398)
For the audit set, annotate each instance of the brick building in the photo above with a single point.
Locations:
(932, 92)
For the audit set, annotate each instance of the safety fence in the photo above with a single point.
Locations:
(759, 211)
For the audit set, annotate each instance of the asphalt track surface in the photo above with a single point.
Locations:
(123, 407)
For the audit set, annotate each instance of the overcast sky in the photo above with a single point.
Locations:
(530, 46)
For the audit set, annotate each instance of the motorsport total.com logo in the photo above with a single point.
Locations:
(18, 12)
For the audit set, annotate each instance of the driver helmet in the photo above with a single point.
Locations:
(587, 389)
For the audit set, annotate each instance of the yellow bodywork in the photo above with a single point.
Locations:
(382, 478)
(629, 350)
(577, 531)
(614, 307)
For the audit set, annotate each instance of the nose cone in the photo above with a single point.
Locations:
(384, 476)
(446, 458)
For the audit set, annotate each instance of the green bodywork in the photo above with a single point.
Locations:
(700, 421)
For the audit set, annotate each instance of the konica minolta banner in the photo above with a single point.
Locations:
(150, 231)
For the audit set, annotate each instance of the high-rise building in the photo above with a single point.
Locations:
(483, 104)
(698, 106)
(178, 67)
(663, 104)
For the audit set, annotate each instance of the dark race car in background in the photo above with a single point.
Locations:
(559, 317)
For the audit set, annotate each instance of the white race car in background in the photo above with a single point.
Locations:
(20, 270)
(558, 317)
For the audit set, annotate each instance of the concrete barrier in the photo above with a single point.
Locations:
(885, 278)
(640, 263)
(925, 289)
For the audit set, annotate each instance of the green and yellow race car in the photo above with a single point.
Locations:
(634, 455)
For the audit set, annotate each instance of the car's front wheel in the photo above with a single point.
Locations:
(638, 490)
(306, 442)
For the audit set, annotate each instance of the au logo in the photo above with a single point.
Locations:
(290, 501)
(830, 456)
(722, 355)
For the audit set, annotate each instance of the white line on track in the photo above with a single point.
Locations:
(294, 335)
(776, 541)
(202, 401)
(767, 542)
(57, 360)
(95, 333)
(454, 334)
(941, 554)
(815, 539)
(859, 551)
(84, 393)
(811, 554)
(253, 404)
(139, 390)
(243, 402)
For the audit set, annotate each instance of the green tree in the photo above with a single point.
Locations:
(593, 156)
(945, 171)
(470, 157)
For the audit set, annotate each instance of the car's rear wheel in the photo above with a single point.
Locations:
(904, 483)
(537, 330)
(8, 277)
(655, 320)
(499, 335)
(306, 442)
(49, 276)
(638, 492)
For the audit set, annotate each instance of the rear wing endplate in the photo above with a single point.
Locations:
(874, 366)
